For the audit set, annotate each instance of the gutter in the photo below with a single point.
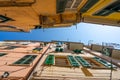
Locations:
(28, 77)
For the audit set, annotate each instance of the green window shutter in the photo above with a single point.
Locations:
(88, 5)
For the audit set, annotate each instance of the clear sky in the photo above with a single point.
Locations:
(83, 33)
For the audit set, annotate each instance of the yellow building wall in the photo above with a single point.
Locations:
(45, 7)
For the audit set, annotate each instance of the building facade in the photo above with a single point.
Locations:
(25, 15)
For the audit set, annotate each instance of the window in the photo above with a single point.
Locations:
(26, 60)
(104, 13)
(38, 27)
(2, 54)
(61, 4)
(10, 28)
(69, 3)
(12, 47)
(88, 5)
(114, 7)
(49, 60)
(4, 19)
(73, 61)
(77, 3)
(38, 49)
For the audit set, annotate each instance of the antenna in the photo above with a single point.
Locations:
(76, 26)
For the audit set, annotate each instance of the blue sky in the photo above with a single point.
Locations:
(84, 32)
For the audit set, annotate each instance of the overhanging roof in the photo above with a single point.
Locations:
(27, 14)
